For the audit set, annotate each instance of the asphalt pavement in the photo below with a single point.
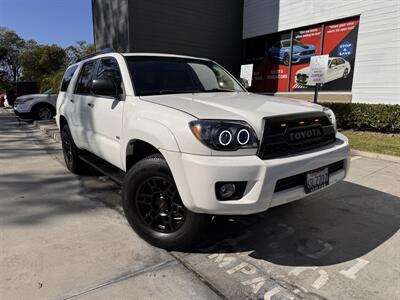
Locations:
(64, 236)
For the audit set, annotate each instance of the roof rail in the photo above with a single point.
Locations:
(103, 51)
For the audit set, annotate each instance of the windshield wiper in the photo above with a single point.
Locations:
(219, 90)
(178, 91)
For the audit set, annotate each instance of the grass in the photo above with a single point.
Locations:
(374, 142)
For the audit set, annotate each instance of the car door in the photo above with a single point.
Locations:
(105, 115)
(79, 101)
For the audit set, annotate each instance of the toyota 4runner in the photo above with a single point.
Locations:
(185, 140)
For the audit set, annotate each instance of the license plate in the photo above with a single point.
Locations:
(317, 179)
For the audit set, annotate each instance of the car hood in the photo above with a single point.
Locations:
(297, 48)
(31, 96)
(305, 70)
(249, 107)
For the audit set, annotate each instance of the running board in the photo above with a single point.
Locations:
(104, 167)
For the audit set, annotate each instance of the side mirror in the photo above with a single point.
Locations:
(105, 87)
(244, 82)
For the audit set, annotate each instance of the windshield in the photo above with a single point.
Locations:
(296, 42)
(170, 75)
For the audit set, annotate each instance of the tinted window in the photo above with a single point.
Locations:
(169, 75)
(67, 78)
(108, 67)
(85, 78)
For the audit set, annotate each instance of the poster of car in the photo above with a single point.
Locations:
(274, 62)
(278, 56)
(340, 43)
(308, 42)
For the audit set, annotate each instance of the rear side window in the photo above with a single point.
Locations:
(67, 78)
(85, 78)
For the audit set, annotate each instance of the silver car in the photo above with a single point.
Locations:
(36, 106)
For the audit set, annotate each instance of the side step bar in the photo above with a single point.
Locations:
(104, 167)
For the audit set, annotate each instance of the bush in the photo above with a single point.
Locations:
(368, 117)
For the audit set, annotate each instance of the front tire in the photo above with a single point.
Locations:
(70, 151)
(286, 59)
(154, 209)
(345, 73)
(43, 112)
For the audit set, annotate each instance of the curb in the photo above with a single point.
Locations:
(374, 155)
(49, 128)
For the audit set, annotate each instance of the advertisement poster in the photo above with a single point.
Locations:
(306, 44)
(278, 57)
(271, 57)
(340, 43)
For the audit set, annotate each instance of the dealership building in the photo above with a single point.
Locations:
(269, 42)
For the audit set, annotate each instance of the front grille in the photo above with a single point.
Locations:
(299, 179)
(278, 140)
(308, 52)
(302, 77)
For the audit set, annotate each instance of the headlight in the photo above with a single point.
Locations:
(21, 101)
(331, 116)
(224, 135)
(296, 53)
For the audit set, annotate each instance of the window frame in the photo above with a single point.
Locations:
(95, 62)
(94, 76)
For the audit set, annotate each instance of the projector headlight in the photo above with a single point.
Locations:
(224, 135)
(331, 116)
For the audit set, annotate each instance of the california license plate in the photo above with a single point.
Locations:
(317, 179)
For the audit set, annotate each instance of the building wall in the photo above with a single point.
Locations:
(110, 24)
(205, 28)
(377, 64)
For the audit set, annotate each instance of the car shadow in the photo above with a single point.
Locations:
(336, 225)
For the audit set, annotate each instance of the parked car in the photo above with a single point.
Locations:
(21, 88)
(337, 68)
(280, 51)
(36, 106)
(186, 140)
(2, 98)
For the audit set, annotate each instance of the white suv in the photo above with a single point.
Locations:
(185, 140)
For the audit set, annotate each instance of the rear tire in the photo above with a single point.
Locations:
(345, 73)
(71, 152)
(154, 209)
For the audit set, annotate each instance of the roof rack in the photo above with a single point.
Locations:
(103, 51)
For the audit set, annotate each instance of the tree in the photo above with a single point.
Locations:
(82, 48)
(10, 61)
(39, 61)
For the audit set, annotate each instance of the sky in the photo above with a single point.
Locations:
(62, 22)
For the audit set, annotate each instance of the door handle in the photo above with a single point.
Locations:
(72, 100)
(90, 104)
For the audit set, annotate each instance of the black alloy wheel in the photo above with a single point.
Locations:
(154, 209)
(159, 204)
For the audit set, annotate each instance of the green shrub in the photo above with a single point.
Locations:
(368, 117)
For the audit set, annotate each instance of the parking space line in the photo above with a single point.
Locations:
(352, 271)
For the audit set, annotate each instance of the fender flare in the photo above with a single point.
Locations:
(150, 131)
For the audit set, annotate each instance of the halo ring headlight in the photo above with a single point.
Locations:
(221, 137)
(243, 141)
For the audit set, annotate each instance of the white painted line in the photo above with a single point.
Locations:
(298, 270)
(352, 271)
(255, 283)
(244, 267)
(268, 295)
(321, 281)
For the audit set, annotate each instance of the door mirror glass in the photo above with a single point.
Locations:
(105, 87)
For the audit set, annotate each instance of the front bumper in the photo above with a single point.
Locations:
(22, 115)
(196, 176)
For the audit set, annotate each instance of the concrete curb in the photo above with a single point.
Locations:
(49, 128)
(374, 155)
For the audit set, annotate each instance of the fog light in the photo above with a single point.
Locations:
(227, 190)
(230, 190)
